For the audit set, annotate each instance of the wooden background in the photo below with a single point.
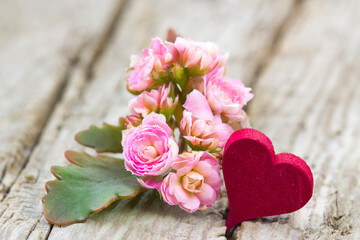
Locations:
(62, 68)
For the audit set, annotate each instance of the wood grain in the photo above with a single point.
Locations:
(39, 44)
(307, 102)
(251, 27)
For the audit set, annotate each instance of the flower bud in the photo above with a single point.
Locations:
(179, 76)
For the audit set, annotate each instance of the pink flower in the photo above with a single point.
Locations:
(200, 127)
(149, 149)
(227, 97)
(196, 183)
(200, 133)
(198, 57)
(157, 100)
(155, 60)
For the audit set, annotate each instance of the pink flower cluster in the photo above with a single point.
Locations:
(181, 85)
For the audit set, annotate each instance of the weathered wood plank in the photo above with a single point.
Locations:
(39, 43)
(250, 28)
(307, 101)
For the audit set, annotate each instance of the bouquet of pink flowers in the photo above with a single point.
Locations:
(184, 111)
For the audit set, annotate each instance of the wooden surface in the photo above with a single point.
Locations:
(62, 68)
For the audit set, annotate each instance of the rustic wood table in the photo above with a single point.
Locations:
(62, 68)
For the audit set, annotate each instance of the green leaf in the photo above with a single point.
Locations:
(105, 139)
(87, 186)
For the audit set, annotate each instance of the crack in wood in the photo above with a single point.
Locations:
(31, 230)
(3, 173)
(339, 224)
(48, 233)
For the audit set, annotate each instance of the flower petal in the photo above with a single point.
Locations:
(192, 204)
(180, 194)
(197, 104)
(207, 196)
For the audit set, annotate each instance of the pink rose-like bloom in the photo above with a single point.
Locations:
(200, 127)
(196, 183)
(200, 133)
(157, 100)
(149, 149)
(199, 57)
(153, 62)
(227, 97)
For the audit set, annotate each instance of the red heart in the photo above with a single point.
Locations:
(260, 183)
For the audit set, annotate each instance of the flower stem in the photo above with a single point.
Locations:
(179, 93)
(182, 144)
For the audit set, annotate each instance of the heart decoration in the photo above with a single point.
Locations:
(260, 183)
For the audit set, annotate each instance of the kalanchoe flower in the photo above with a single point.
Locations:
(199, 133)
(198, 57)
(227, 97)
(159, 100)
(179, 84)
(150, 148)
(149, 68)
(196, 183)
(200, 127)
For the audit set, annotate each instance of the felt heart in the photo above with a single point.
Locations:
(260, 183)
